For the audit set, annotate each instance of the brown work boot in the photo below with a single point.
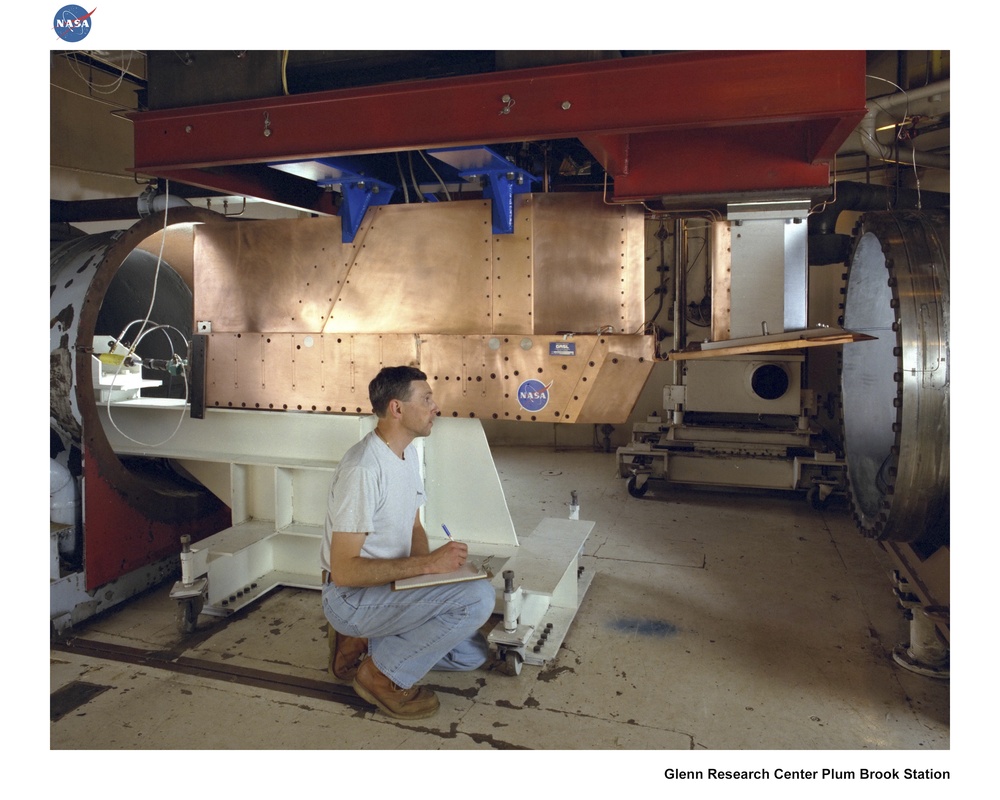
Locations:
(346, 653)
(416, 702)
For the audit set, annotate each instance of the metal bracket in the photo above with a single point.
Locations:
(501, 179)
(358, 191)
(357, 196)
(500, 189)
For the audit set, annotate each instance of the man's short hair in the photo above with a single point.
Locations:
(392, 383)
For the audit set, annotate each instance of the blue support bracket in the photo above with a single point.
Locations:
(501, 179)
(356, 198)
(358, 192)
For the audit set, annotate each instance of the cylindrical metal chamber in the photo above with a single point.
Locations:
(99, 289)
(98, 284)
(895, 388)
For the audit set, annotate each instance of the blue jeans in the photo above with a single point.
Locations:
(414, 631)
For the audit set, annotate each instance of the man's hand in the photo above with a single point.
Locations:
(449, 557)
(349, 568)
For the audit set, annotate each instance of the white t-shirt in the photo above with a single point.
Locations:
(374, 491)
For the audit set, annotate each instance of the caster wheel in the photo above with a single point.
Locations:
(815, 500)
(512, 663)
(635, 490)
(187, 614)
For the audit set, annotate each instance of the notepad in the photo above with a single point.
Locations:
(467, 572)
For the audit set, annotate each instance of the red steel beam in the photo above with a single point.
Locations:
(607, 104)
(719, 161)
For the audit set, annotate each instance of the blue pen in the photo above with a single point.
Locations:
(446, 531)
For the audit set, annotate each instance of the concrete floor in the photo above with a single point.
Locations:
(715, 622)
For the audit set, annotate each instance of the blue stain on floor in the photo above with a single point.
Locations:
(644, 627)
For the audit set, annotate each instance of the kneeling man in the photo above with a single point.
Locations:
(386, 641)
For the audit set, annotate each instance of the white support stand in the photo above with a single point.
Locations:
(550, 583)
(274, 470)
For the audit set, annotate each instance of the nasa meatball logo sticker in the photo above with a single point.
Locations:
(73, 23)
(533, 395)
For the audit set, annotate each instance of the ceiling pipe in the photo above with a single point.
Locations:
(112, 209)
(892, 153)
(153, 201)
(826, 246)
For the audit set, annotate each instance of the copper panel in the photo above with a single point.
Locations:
(464, 372)
(420, 267)
(301, 321)
(313, 372)
(625, 364)
(472, 376)
(588, 264)
(573, 263)
(513, 276)
(722, 271)
(269, 275)
(493, 369)
(600, 382)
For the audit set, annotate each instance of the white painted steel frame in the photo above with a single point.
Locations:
(274, 470)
